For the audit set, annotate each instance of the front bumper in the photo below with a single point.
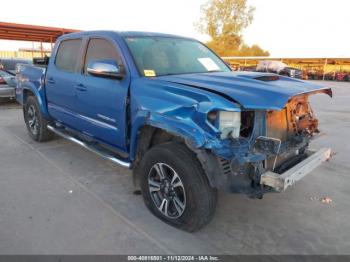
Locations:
(7, 91)
(281, 182)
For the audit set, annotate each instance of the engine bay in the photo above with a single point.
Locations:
(292, 127)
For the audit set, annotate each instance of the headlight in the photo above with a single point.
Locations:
(229, 123)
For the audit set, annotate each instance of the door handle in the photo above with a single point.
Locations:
(51, 80)
(81, 87)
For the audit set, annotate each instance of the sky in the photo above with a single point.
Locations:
(286, 28)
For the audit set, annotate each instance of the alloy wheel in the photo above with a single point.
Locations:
(167, 190)
(33, 120)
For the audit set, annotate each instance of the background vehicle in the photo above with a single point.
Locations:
(249, 68)
(315, 74)
(330, 76)
(280, 68)
(342, 76)
(174, 112)
(291, 72)
(7, 77)
(7, 85)
(9, 64)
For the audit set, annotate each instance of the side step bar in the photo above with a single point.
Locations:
(91, 148)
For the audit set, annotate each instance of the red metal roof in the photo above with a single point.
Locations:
(12, 31)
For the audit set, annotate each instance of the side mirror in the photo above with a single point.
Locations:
(105, 68)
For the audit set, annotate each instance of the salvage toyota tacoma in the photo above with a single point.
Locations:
(174, 112)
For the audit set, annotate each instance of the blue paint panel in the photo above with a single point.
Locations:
(31, 79)
(61, 93)
(103, 108)
(176, 108)
(246, 90)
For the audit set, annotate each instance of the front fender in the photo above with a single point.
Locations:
(187, 130)
(176, 109)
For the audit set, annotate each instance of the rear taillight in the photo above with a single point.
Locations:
(2, 81)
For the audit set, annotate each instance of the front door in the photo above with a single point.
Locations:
(101, 100)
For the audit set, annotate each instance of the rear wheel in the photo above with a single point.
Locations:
(35, 122)
(175, 188)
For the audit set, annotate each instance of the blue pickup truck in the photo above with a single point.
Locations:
(174, 112)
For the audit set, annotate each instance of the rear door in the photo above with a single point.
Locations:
(101, 100)
(60, 82)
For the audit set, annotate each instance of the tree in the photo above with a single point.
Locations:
(224, 21)
(254, 50)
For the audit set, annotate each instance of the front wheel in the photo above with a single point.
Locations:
(175, 188)
(35, 122)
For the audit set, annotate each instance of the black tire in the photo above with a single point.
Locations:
(38, 128)
(200, 198)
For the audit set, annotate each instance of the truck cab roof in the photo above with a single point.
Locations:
(111, 33)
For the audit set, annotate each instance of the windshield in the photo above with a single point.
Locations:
(158, 56)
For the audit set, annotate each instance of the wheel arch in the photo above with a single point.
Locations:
(149, 136)
(42, 102)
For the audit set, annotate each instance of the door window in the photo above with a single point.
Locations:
(100, 49)
(68, 55)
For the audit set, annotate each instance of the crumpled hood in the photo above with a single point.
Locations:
(251, 90)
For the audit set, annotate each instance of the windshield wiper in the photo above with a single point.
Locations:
(215, 71)
(189, 73)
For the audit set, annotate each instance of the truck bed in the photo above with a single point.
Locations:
(29, 77)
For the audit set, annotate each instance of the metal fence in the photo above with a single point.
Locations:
(22, 54)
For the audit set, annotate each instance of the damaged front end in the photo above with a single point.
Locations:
(270, 153)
